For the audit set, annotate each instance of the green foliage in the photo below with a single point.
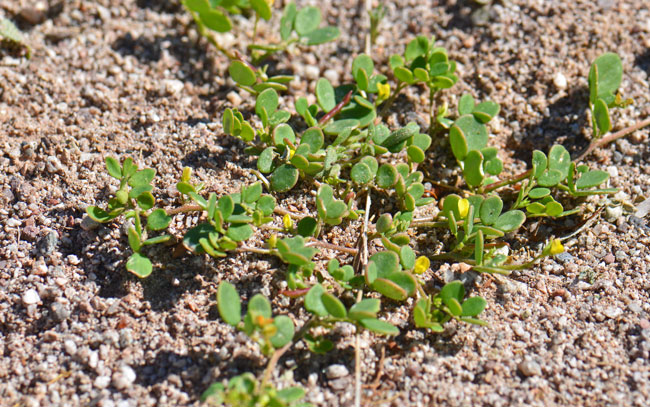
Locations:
(12, 38)
(246, 391)
(605, 77)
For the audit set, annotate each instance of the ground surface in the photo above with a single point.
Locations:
(130, 78)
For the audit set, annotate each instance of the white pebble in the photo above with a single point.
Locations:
(332, 76)
(336, 371)
(30, 297)
(234, 98)
(312, 72)
(559, 80)
(102, 382)
(70, 347)
(173, 86)
(74, 260)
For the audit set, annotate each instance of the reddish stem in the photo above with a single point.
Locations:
(336, 109)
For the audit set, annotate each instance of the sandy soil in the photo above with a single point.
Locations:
(132, 78)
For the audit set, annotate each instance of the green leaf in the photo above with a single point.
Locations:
(319, 344)
(259, 305)
(386, 176)
(194, 235)
(553, 208)
(389, 289)
(158, 220)
(142, 177)
(539, 163)
(491, 209)
(226, 206)
(339, 126)
(418, 46)
(592, 179)
(128, 168)
(307, 226)
(601, 114)
(313, 301)
(99, 215)
(475, 132)
(156, 240)
(266, 204)
(605, 77)
(284, 178)
(146, 201)
(485, 111)
(550, 178)
(366, 308)
(113, 167)
(538, 193)
(559, 159)
(321, 35)
(473, 306)
(199, 6)
(265, 160)
(267, 100)
(252, 192)
(282, 132)
(139, 265)
(325, 94)
(387, 262)
(403, 74)
(291, 394)
(362, 62)
(407, 257)
(452, 290)
(510, 221)
(458, 142)
(479, 245)
(285, 330)
(465, 104)
(185, 188)
(361, 174)
(229, 303)
(307, 20)
(262, 8)
(400, 135)
(379, 326)
(384, 223)
(333, 305)
(240, 232)
(216, 20)
(473, 168)
(287, 20)
(314, 138)
(415, 154)
(134, 239)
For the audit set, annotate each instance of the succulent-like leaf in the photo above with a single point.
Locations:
(139, 265)
(229, 303)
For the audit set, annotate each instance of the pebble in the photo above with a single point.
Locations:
(70, 347)
(74, 260)
(564, 257)
(612, 312)
(529, 368)
(312, 72)
(59, 312)
(642, 209)
(30, 297)
(102, 382)
(88, 223)
(173, 86)
(124, 377)
(234, 98)
(336, 372)
(609, 258)
(613, 213)
(559, 80)
(331, 75)
(32, 15)
(47, 244)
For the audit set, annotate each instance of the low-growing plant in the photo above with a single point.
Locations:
(344, 155)
(12, 38)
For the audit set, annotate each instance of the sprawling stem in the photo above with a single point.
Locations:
(612, 137)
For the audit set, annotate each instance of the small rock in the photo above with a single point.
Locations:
(336, 372)
(88, 223)
(111, 337)
(612, 312)
(620, 255)
(47, 244)
(339, 384)
(642, 209)
(173, 86)
(609, 258)
(331, 75)
(635, 307)
(613, 213)
(74, 260)
(30, 297)
(50, 336)
(529, 368)
(53, 165)
(234, 98)
(102, 382)
(126, 337)
(70, 347)
(59, 312)
(312, 72)
(32, 15)
(124, 377)
(564, 257)
(30, 233)
(612, 170)
(559, 80)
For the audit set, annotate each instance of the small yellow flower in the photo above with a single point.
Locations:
(287, 222)
(463, 208)
(270, 2)
(384, 91)
(291, 152)
(421, 265)
(556, 247)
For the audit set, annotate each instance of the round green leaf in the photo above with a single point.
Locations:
(453, 290)
(338, 126)
(215, 20)
(262, 8)
(473, 168)
(313, 301)
(465, 104)
(389, 289)
(286, 23)
(158, 220)
(240, 232)
(142, 177)
(307, 226)
(267, 100)
(491, 209)
(475, 132)
(539, 162)
(284, 178)
(98, 215)
(418, 46)
(473, 306)
(415, 154)
(333, 305)
(510, 221)
(307, 20)
(485, 111)
(361, 174)
(321, 35)
(241, 73)
(363, 62)
(535, 208)
(285, 329)
(113, 167)
(592, 179)
(259, 305)
(550, 178)
(601, 114)
(387, 262)
(538, 193)
(403, 74)
(607, 69)
(266, 204)
(139, 265)
(228, 303)
(559, 159)
(265, 160)
(458, 142)
(325, 94)
(314, 138)
(146, 200)
(553, 208)
(282, 132)
(493, 166)
(386, 176)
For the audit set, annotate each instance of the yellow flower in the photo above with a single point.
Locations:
(463, 207)
(384, 91)
(421, 265)
(291, 152)
(556, 247)
(287, 222)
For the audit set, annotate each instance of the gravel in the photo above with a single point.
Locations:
(132, 78)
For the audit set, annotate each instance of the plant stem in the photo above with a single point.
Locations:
(184, 208)
(272, 362)
(282, 211)
(612, 137)
(323, 120)
(258, 250)
(389, 102)
(331, 246)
